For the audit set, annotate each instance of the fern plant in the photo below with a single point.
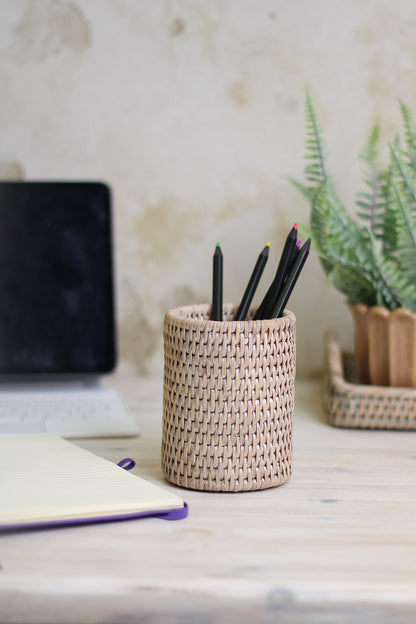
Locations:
(369, 256)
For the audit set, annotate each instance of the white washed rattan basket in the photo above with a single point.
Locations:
(228, 400)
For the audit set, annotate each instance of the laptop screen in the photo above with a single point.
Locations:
(56, 279)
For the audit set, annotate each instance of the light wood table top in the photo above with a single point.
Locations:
(336, 543)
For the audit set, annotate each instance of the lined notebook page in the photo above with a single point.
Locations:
(44, 478)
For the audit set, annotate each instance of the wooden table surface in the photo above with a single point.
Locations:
(337, 543)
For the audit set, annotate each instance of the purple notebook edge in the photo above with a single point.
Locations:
(164, 514)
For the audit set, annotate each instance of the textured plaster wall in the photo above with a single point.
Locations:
(193, 112)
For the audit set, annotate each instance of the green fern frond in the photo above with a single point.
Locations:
(405, 218)
(387, 216)
(372, 261)
(410, 132)
(387, 221)
(352, 283)
(369, 153)
(387, 279)
(404, 187)
(350, 257)
(316, 171)
(369, 202)
(330, 222)
(407, 176)
(342, 247)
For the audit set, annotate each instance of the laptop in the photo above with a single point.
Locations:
(57, 311)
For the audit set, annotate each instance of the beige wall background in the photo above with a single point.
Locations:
(193, 112)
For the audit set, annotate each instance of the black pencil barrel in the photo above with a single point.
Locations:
(217, 268)
(252, 285)
(291, 279)
(266, 307)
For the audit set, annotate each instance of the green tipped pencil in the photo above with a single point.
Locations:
(217, 270)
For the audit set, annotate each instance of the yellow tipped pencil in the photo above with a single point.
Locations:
(252, 284)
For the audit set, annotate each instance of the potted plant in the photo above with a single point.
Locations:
(370, 256)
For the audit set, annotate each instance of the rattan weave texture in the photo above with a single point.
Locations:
(228, 400)
(349, 404)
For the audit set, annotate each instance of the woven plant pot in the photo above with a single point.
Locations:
(228, 400)
(385, 345)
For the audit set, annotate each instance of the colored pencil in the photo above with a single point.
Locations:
(217, 269)
(241, 313)
(266, 307)
(291, 279)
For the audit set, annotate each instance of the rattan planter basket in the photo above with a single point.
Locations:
(362, 406)
(228, 400)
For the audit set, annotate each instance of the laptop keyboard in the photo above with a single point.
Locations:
(81, 413)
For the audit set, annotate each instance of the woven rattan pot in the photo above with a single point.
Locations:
(228, 400)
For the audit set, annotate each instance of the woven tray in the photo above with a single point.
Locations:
(353, 405)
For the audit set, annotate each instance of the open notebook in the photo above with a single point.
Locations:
(46, 480)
